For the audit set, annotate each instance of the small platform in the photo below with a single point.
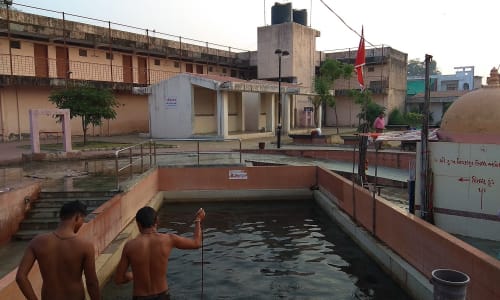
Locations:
(309, 139)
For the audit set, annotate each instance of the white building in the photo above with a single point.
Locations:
(194, 105)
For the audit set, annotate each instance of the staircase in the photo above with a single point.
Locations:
(44, 214)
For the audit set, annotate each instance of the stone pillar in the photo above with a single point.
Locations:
(285, 110)
(34, 131)
(66, 124)
(269, 107)
(222, 114)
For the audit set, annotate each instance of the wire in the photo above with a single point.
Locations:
(202, 263)
(342, 20)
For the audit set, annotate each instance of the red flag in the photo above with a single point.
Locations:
(360, 60)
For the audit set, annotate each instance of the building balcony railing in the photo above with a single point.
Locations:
(376, 84)
(56, 68)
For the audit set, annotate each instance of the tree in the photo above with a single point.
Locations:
(417, 68)
(369, 110)
(329, 71)
(91, 104)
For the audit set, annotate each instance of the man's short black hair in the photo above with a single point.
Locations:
(146, 217)
(70, 209)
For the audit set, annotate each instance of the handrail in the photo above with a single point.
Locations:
(134, 157)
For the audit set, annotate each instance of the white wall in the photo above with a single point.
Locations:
(466, 184)
(251, 101)
(170, 108)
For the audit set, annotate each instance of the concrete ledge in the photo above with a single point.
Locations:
(107, 261)
(309, 139)
(410, 279)
(236, 195)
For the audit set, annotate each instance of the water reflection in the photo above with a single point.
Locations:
(63, 175)
(266, 251)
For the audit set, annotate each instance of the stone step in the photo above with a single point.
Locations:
(76, 194)
(58, 202)
(39, 224)
(27, 235)
(49, 212)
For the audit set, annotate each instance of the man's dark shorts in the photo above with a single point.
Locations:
(161, 296)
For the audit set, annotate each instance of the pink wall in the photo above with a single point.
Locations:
(13, 207)
(398, 160)
(421, 244)
(283, 177)
(111, 218)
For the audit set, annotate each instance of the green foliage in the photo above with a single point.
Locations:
(372, 111)
(369, 110)
(396, 117)
(410, 118)
(417, 68)
(329, 71)
(413, 119)
(91, 104)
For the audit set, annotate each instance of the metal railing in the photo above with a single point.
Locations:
(138, 158)
(79, 70)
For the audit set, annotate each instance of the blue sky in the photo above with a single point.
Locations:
(456, 33)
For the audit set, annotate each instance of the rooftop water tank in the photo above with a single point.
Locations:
(300, 16)
(281, 13)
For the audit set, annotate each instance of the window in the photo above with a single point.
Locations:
(210, 69)
(82, 52)
(109, 55)
(451, 87)
(466, 86)
(224, 70)
(177, 64)
(157, 62)
(15, 44)
(234, 73)
(371, 69)
(199, 69)
(189, 68)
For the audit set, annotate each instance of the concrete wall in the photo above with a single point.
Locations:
(109, 220)
(131, 114)
(182, 179)
(171, 108)
(253, 111)
(397, 160)
(205, 110)
(13, 205)
(422, 245)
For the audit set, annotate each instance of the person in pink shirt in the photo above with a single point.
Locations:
(379, 123)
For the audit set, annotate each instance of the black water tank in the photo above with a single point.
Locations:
(281, 13)
(300, 16)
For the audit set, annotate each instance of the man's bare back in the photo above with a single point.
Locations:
(62, 257)
(148, 255)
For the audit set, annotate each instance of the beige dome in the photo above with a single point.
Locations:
(474, 117)
(477, 112)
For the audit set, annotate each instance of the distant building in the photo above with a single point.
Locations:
(39, 54)
(444, 90)
(385, 77)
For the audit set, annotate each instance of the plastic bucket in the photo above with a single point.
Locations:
(449, 284)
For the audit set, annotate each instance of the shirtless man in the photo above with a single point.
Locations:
(61, 256)
(148, 254)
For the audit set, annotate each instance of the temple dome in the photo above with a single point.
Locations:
(475, 116)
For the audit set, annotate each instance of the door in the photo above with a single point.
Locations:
(41, 60)
(127, 69)
(62, 63)
(143, 70)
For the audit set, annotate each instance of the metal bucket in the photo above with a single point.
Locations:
(449, 284)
